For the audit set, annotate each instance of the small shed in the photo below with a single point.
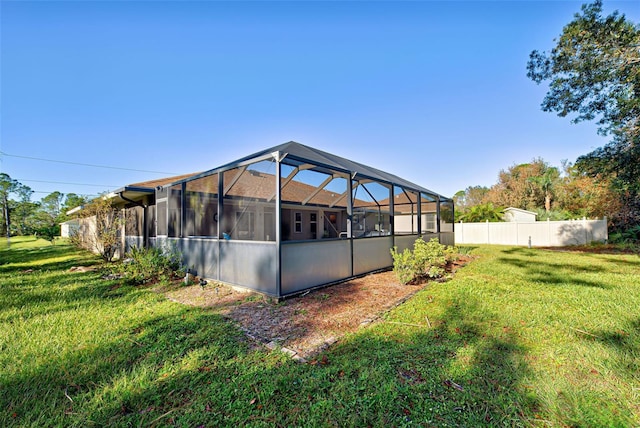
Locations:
(519, 215)
(285, 219)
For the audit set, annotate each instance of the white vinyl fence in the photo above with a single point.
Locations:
(536, 234)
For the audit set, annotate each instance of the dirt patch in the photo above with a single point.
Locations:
(310, 322)
(83, 268)
(594, 249)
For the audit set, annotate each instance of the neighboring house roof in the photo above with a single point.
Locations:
(506, 210)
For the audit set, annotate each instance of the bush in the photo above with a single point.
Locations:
(428, 260)
(628, 236)
(403, 265)
(144, 265)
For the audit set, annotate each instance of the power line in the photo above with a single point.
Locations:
(64, 182)
(48, 193)
(86, 164)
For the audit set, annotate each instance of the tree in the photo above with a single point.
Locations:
(472, 195)
(46, 220)
(8, 187)
(583, 195)
(483, 212)
(23, 212)
(73, 200)
(100, 228)
(594, 72)
(52, 203)
(546, 182)
(522, 186)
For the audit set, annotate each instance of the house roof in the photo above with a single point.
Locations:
(152, 184)
(137, 191)
(261, 185)
(519, 210)
(298, 154)
(258, 183)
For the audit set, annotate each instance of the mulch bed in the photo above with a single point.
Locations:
(310, 322)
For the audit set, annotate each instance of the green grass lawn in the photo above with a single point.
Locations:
(520, 337)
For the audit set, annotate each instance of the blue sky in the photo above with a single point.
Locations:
(435, 92)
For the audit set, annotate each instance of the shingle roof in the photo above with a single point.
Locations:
(152, 184)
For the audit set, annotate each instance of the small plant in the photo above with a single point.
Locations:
(403, 265)
(147, 264)
(428, 260)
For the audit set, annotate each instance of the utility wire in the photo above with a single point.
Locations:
(48, 193)
(64, 182)
(85, 164)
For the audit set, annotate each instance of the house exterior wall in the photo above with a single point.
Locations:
(87, 236)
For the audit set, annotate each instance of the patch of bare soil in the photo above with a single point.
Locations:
(307, 323)
(594, 249)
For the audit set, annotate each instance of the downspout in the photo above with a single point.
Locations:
(392, 227)
(350, 218)
(419, 225)
(278, 220)
(438, 219)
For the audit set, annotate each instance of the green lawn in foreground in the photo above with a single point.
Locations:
(520, 337)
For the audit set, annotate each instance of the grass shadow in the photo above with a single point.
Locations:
(556, 273)
(458, 373)
(93, 386)
(23, 259)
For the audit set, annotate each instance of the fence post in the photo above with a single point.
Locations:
(488, 233)
(548, 232)
(584, 226)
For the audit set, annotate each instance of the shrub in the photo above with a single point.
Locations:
(428, 260)
(403, 265)
(99, 230)
(148, 264)
(628, 236)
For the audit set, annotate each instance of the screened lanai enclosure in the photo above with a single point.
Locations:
(286, 219)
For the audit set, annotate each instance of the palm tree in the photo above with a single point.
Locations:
(546, 182)
(483, 212)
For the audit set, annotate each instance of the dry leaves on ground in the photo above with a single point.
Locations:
(308, 323)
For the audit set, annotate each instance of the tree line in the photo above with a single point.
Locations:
(22, 216)
(553, 193)
(593, 73)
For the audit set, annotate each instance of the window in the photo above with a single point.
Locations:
(313, 225)
(297, 222)
(245, 225)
